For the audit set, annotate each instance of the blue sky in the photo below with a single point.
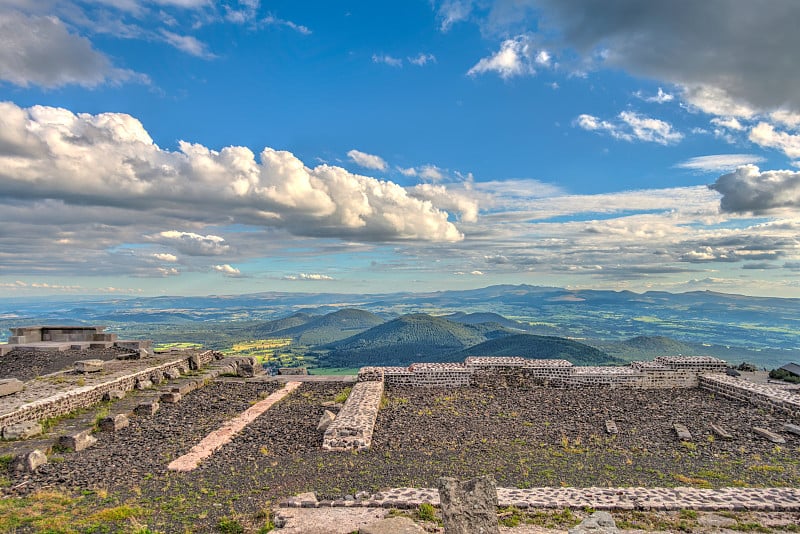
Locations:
(199, 147)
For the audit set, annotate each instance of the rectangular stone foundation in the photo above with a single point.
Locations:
(352, 428)
(81, 397)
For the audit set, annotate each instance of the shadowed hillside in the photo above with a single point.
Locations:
(408, 339)
(331, 327)
(542, 347)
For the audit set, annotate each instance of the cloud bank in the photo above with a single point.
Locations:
(110, 160)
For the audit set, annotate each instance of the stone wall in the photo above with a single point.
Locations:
(353, 426)
(81, 397)
(491, 372)
(772, 398)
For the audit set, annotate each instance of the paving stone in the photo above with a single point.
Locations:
(392, 525)
(89, 366)
(23, 430)
(78, 441)
(9, 386)
(113, 423)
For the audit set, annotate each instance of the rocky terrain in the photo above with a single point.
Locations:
(539, 437)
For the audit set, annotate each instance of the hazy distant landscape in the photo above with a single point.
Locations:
(347, 331)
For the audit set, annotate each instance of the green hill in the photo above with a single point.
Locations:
(485, 317)
(331, 327)
(268, 328)
(542, 347)
(409, 339)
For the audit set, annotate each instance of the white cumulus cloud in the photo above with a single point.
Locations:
(227, 270)
(632, 126)
(516, 57)
(110, 160)
(368, 161)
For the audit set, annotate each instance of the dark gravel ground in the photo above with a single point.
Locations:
(541, 437)
(28, 364)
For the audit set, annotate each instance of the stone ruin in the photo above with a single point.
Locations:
(484, 371)
(61, 338)
(353, 427)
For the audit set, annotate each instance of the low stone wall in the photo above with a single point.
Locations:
(666, 499)
(772, 398)
(353, 426)
(502, 372)
(81, 397)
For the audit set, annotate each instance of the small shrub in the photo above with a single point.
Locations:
(230, 526)
(426, 512)
(342, 396)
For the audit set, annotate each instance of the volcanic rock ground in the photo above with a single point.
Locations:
(26, 364)
(539, 437)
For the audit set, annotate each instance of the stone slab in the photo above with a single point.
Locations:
(392, 525)
(470, 506)
(29, 461)
(89, 366)
(146, 408)
(768, 434)
(77, 441)
(171, 397)
(792, 429)
(113, 423)
(682, 432)
(224, 434)
(9, 386)
(720, 432)
(23, 430)
(325, 421)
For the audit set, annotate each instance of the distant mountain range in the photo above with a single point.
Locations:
(621, 324)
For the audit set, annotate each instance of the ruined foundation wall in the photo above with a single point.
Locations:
(81, 397)
(772, 398)
(515, 372)
(353, 426)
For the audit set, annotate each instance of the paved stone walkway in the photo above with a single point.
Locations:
(225, 434)
(731, 499)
